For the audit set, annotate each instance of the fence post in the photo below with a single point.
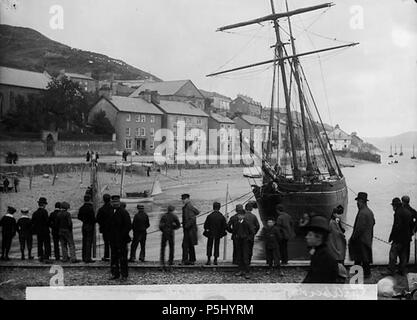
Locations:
(31, 177)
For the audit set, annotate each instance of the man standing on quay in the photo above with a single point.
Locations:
(87, 216)
(254, 224)
(103, 216)
(139, 225)
(360, 243)
(41, 229)
(189, 224)
(214, 230)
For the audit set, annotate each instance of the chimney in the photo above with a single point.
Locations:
(155, 97)
(105, 91)
(146, 95)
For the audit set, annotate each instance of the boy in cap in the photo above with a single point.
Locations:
(139, 226)
(41, 229)
(87, 216)
(323, 266)
(64, 223)
(286, 229)
(103, 216)
(24, 228)
(189, 224)
(272, 237)
(168, 224)
(54, 229)
(8, 224)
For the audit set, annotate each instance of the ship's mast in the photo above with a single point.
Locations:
(280, 51)
(271, 114)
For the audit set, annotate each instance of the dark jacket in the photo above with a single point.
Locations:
(140, 222)
(242, 229)
(360, 243)
(402, 229)
(215, 225)
(253, 222)
(323, 267)
(285, 226)
(189, 221)
(24, 226)
(87, 216)
(336, 241)
(8, 224)
(52, 221)
(103, 216)
(413, 215)
(169, 223)
(64, 221)
(40, 221)
(120, 226)
(272, 237)
(231, 224)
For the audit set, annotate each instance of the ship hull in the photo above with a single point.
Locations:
(297, 199)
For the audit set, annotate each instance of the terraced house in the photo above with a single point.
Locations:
(135, 121)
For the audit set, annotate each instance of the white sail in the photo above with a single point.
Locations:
(156, 188)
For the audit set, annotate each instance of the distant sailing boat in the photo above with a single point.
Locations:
(311, 180)
(401, 150)
(414, 155)
(390, 152)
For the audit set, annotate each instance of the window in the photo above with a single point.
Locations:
(229, 147)
(138, 118)
(152, 131)
(128, 143)
(198, 121)
(137, 132)
(152, 119)
(143, 118)
(128, 117)
(127, 131)
(151, 146)
(222, 126)
(142, 132)
(188, 120)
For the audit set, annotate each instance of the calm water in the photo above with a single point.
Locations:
(382, 182)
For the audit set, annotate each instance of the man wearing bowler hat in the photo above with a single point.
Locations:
(41, 229)
(360, 243)
(139, 226)
(119, 238)
(323, 266)
(401, 233)
(9, 227)
(189, 224)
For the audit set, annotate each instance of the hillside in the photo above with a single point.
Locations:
(406, 139)
(25, 48)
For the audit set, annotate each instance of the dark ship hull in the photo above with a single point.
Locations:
(319, 198)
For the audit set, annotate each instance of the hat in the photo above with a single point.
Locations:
(396, 202)
(339, 209)
(115, 198)
(87, 198)
(42, 200)
(24, 210)
(11, 210)
(140, 207)
(106, 197)
(362, 196)
(318, 223)
(65, 205)
(405, 199)
(185, 196)
(239, 208)
(249, 206)
(171, 208)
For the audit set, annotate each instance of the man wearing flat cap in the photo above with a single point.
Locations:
(401, 233)
(360, 243)
(230, 228)
(189, 225)
(87, 216)
(168, 224)
(323, 266)
(103, 216)
(139, 226)
(214, 230)
(8, 224)
(66, 237)
(24, 228)
(54, 229)
(119, 238)
(41, 229)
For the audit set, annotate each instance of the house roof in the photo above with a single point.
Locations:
(134, 105)
(209, 94)
(183, 108)
(249, 100)
(221, 119)
(339, 134)
(24, 78)
(164, 88)
(253, 120)
(78, 76)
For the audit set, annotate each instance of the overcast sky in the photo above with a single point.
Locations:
(370, 88)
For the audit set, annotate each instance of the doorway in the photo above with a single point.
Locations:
(141, 145)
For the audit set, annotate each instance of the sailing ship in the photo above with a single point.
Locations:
(306, 177)
(414, 155)
(390, 152)
(401, 150)
(395, 150)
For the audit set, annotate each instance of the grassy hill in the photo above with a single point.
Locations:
(25, 48)
(406, 139)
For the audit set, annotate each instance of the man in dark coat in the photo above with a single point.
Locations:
(285, 226)
(189, 224)
(66, 237)
(24, 228)
(406, 204)
(119, 238)
(214, 230)
(87, 216)
(243, 234)
(87, 156)
(41, 229)
(360, 243)
(54, 229)
(272, 238)
(139, 226)
(168, 224)
(9, 227)
(323, 266)
(254, 224)
(401, 233)
(6, 184)
(103, 216)
(229, 228)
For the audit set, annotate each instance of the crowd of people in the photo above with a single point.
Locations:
(325, 238)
